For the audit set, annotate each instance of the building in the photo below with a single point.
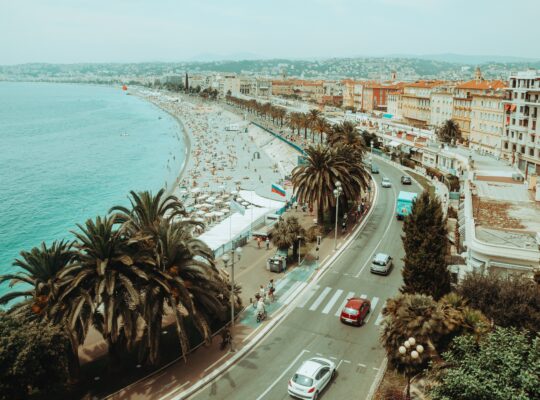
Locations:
(441, 104)
(463, 99)
(487, 120)
(521, 138)
(353, 94)
(416, 102)
(282, 87)
(394, 103)
(375, 96)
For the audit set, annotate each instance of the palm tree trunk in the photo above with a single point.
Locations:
(320, 213)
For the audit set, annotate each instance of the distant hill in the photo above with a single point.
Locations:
(470, 59)
(209, 57)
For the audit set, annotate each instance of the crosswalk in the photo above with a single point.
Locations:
(328, 300)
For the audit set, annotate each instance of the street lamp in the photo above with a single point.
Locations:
(337, 192)
(299, 239)
(371, 153)
(411, 352)
(226, 258)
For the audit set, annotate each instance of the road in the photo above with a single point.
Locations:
(313, 327)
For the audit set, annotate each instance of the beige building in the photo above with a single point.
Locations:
(416, 102)
(353, 94)
(395, 104)
(487, 120)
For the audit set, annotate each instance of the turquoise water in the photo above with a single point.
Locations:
(70, 152)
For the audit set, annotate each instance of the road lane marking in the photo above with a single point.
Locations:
(251, 334)
(339, 363)
(281, 283)
(320, 299)
(307, 296)
(374, 302)
(293, 295)
(379, 319)
(375, 368)
(349, 295)
(218, 360)
(378, 244)
(285, 295)
(178, 388)
(362, 365)
(332, 301)
(364, 296)
(282, 374)
(325, 258)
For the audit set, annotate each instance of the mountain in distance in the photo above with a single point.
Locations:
(468, 59)
(210, 57)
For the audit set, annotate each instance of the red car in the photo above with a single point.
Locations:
(355, 311)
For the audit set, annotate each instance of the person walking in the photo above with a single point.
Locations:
(270, 290)
(267, 244)
(259, 242)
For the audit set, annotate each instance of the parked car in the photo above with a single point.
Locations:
(406, 180)
(355, 311)
(381, 264)
(385, 183)
(374, 169)
(311, 378)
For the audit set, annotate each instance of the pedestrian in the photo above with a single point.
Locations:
(295, 206)
(343, 226)
(267, 244)
(363, 207)
(262, 292)
(259, 242)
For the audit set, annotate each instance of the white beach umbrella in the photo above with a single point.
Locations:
(195, 190)
(198, 206)
(209, 214)
(198, 219)
(211, 199)
(225, 210)
(206, 205)
(234, 191)
(219, 213)
(245, 203)
(200, 212)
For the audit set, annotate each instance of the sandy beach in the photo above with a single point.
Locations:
(225, 154)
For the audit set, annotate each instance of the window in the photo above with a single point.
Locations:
(531, 152)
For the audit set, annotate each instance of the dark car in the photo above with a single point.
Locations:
(406, 180)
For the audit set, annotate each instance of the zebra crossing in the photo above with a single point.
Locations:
(327, 300)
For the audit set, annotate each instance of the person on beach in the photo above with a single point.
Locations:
(267, 244)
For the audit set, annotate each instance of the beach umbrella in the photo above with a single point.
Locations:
(206, 205)
(225, 210)
(198, 219)
(211, 199)
(195, 190)
(209, 214)
(198, 206)
(200, 212)
(219, 213)
(234, 191)
(245, 203)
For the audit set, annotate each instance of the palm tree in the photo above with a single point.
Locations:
(103, 285)
(313, 116)
(345, 134)
(322, 126)
(449, 132)
(315, 182)
(304, 123)
(40, 267)
(285, 233)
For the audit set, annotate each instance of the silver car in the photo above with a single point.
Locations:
(385, 183)
(311, 378)
(381, 264)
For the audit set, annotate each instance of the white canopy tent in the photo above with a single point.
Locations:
(260, 201)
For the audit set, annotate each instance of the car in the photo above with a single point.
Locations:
(385, 183)
(374, 169)
(381, 264)
(311, 378)
(406, 180)
(355, 311)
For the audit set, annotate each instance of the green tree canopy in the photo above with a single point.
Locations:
(504, 365)
(509, 301)
(449, 132)
(425, 243)
(33, 358)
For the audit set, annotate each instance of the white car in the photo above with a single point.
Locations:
(311, 378)
(385, 183)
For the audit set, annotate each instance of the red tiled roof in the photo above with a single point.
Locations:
(482, 85)
(424, 84)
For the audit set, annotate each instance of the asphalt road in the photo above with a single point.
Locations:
(313, 327)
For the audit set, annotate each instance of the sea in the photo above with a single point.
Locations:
(69, 152)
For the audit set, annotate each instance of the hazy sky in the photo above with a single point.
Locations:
(67, 31)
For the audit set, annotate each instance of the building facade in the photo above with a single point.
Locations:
(442, 105)
(487, 120)
(416, 105)
(521, 137)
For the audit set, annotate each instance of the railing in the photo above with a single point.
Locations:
(293, 145)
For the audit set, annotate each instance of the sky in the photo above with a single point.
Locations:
(73, 31)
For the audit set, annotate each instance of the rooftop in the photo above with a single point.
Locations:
(480, 84)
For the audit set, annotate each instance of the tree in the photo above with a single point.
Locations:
(509, 301)
(425, 243)
(40, 267)
(449, 132)
(345, 134)
(321, 126)
(505, 365)
(315, 182)
(312, 117)
(285, 233)
(32, 358)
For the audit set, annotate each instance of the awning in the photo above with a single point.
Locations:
(389, 116)
(406, 149)
(513, 107)
(393, 143)
(514, 267)
(507, 107)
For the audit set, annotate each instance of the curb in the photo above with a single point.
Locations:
(285, 310)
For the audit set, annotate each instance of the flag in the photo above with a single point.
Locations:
(278, 189)
(237, 207)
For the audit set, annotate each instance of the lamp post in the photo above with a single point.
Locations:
(226, 258)
(337, 192)
(411, 352)
(371, 153)
(299, 239)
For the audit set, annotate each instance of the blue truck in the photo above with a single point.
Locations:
(404, 204)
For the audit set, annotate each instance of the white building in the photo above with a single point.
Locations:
(487, 120)
(441, 107)
(521, 138)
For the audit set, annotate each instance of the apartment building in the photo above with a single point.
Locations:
(416, 102)
(442, 105)
(487, 120)
(375, 96)
(521, 138)
(394, 103)
(463, 99)
(353, 94)
(282, 87)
